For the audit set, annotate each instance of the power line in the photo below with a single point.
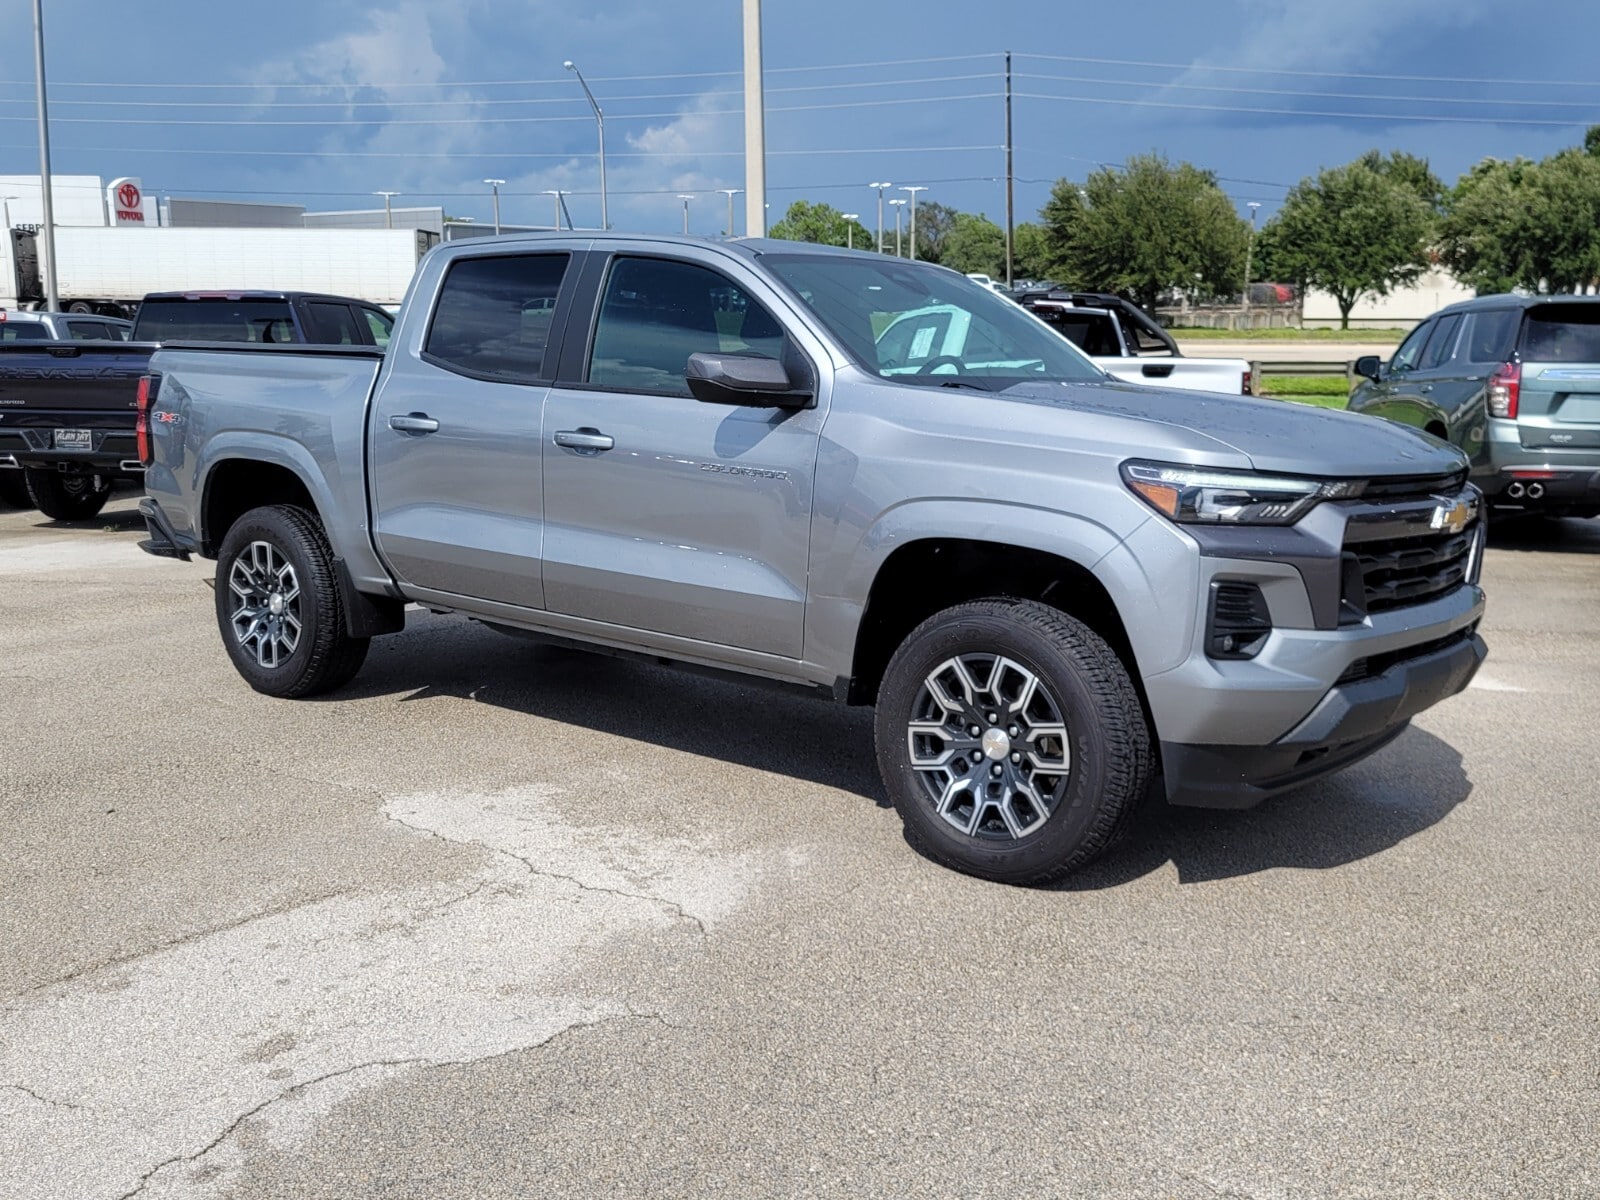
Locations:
(1298, 112)
(1498, 81)
(1200, 87)
(479, 155)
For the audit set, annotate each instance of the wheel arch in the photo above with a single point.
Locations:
(235, 484)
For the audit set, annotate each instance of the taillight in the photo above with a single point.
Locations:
(141, 425)
(1505, 387)
(1244, 385)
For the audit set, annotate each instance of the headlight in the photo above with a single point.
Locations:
(1192, 495)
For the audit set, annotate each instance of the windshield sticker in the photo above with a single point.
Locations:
(922, 343)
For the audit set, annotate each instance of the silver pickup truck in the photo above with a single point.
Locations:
(1060, 591)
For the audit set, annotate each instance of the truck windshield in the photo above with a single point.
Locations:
(917, 323)
(210, 319)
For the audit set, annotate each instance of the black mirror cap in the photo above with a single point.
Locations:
(751, 380)
(1368, 366)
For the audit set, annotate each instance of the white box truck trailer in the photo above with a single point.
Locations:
(109, 270)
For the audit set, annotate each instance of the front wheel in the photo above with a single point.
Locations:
(1011, 740)
(66, 497)
(279, 607)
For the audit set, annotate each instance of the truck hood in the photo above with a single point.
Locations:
(1274, 435)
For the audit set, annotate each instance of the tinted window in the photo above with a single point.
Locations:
(1406, 357)
(380, 324)
(89, 331)
(1562, 333)
(1442, 344)
(334, 324)
(215, 320)
(1487, 337)
(493, 317)
(23, 331)
(656, 314)
(1090, 332)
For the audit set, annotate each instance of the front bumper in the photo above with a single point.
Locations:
(1350, 722)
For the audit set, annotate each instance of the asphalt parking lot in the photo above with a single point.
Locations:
(506, 921)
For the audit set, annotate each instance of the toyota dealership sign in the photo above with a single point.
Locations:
(126, 201)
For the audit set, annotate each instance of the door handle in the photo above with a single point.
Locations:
(414, 423)
(585, 440)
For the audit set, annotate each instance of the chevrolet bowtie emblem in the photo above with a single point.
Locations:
(1453, 515)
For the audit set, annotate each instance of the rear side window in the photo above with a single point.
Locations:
(1561, 333)
(1487, 336)
(381, 325)
(334, 324)
(494, 314)
(215, 320)
(89, 331)
(23, 331)
(1441, 344)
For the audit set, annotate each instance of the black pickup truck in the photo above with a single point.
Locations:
(68, 408)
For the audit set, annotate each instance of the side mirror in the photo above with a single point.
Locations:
(751, 380)
(1368, 366)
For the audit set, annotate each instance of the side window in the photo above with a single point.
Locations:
(1488, 336)
(656, 313)
(380, 324)
(88, 331)
(17, 331)
(1411, 349)
(493, 316)
(1442, 344)
(333, 324)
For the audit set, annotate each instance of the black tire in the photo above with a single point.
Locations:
(14, 489)
(64, 497)
(1106, 753)
(80, 306)
(272, 655)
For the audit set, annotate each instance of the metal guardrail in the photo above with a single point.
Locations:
(1262, 367)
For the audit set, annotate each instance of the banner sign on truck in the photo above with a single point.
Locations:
(126, 200)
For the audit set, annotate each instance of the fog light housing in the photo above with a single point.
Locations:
(1239, 623)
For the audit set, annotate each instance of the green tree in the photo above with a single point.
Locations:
(1148, 228)
(821, 223)
(1408, 170)
(975, 244)
(1522, 224)
(934, 223)
(1351, 231)
(1032, 256)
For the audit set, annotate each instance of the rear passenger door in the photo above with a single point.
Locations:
(455, 438)
(664, 514)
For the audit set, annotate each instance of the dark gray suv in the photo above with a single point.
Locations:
(1515, 382)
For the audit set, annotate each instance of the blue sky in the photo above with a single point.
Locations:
(325, 103)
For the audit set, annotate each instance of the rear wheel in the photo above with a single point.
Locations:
(1011, 740)
(278, 605)
(14, 489)
(80, 306)
(66, 497)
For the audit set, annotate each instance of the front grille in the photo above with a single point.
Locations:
(1413, 487)
(1395, 572)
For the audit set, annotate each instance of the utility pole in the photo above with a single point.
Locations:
(52, 297)
(495, 184)
(914, 190)
(1249, 249)
(559, 205)
(600, 127)
(755, 127)
(880, 187)
(897, 206)
(388, 213)
(850, 229)
(685, 199)
(1010, 177)
(730, 193)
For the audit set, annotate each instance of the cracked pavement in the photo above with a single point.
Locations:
(507, 921)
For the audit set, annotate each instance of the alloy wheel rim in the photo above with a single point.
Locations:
(266, 598)
(989, 747)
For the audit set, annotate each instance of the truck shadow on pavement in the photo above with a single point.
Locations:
(1546, 535)
(1410, 785)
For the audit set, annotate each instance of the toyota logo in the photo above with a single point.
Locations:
(128, 196)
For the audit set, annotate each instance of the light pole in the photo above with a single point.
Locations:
(495, 184)
(881, 187)
(897, 205)
(52, 297)
(388, 213)
(730, 193)
(1249, 249)
(557, 193)
(850, 229)
(600, 125)
(914, 190)
(685, 199)
(755, 127)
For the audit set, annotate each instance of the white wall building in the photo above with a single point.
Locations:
(1400, 309)
(78, 200)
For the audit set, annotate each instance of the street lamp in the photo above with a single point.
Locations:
(685, 199)
(1249, 249)
(557, 193)
(914, 190)
(495, 184)
(730, 193)
(388, 213)
(600, 124)
(881, 187)
(897, 206)
(850, 229)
